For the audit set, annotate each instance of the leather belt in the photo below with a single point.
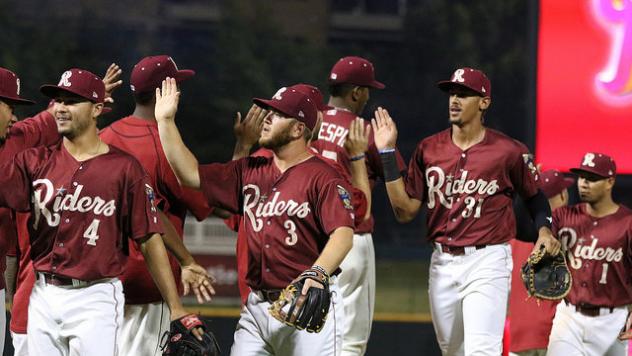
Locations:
(269, 295)
(61, 281)
(591, 310)
(459, 250)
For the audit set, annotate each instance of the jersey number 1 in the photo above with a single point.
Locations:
(604, 274)
(92, 232)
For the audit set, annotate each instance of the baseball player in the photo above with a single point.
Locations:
(15, 137)
(531, 320)
(146, 316)
(597, 236)
(466, 176)
(297, 212)
(247, 134)
(350, 81)
(84, 197)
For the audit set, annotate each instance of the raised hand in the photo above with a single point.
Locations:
(167, 99)
(357, 141)
(111, 81)
(384, 129)
(195, 278)
(247, 131)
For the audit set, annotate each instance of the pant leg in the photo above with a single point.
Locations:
(566, 333)
(143, 327)
(601, 335)
(445, 304)
(252, 329)
(357, 284)
(3, 319)
(92, 319)
(485, 292)
(43, 331)
(20, 345)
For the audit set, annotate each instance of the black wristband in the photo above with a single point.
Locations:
(389, 165)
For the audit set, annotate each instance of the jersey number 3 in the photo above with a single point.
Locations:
(92, 233)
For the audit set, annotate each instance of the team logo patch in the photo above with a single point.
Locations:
(345, 197)
(151, 196)
(528, 160)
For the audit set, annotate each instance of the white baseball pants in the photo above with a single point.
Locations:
(20, 345)
(143, 327)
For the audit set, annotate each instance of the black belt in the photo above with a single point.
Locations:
(589, 309)
(458, 250)
(270, 295)
(61, 281)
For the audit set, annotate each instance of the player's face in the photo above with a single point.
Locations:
(6, 120)
(277, 131)
(465, 106)
(75, 115)
(593, 189)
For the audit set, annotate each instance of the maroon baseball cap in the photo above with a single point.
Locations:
(553, 182)
(314, 93)
(10, 88)
(469, 78)
(292, 103)
(356, 71)
(79, 82)
(597, 164)
(149, 73)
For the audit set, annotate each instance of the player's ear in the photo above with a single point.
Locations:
(484, 103)
(97, 109)
(356, 93)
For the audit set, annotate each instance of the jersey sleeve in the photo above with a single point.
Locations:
(523, 173)
(141, 208)
(39, 130)
(192, 199)
(334, 206)
(15, 176)
(415, 180)
(221, 184)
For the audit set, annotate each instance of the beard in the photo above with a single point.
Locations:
(279, 140)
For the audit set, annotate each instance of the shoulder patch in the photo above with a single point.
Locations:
(151, 196)
(345, 197)
(528, 161)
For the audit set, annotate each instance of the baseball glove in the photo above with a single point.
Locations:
(181, 341)
(546, 276)
(308, 311)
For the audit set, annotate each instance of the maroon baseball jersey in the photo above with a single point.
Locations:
(469, 193)
(25, 277)
(330, 144)
(531, 318)
(140, 138)
(599, 255)
(288, 216)
(81, 212)
(39, 130)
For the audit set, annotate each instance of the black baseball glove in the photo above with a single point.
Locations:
(181, 341)
(546, 276)
(308, 311)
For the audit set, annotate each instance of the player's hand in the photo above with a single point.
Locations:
(195, 278)
(550, 243)
(111, 81)
(167, 99)
(178, 313)
(384, 129)
(626, 331)
(357, 141)
(248, 131)
(310, 283)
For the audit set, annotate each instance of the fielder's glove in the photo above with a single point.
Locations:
(546, 276)
(308, 311)
(182, 342)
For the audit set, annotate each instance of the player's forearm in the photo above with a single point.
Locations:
(10, 276)
(242, 149)
(360, 180)
(336, 249)
(404, 207)
(174, 243)
(182, 161)
(157, 262)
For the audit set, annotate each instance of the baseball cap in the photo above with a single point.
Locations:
(292, 103)
(314, 93)
(10, 88)
(553, 182)
(469, 78)
(356, 71)
(149, 73)
(597, 164)
(79, 82)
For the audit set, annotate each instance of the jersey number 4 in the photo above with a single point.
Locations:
(92, 232)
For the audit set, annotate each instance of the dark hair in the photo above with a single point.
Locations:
(341, 90)
(144, 98)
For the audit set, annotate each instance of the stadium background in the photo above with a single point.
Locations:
(246, 48)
